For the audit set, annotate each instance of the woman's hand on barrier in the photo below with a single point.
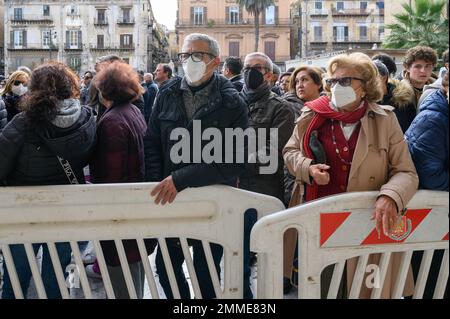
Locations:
(165, 191)
(319, 173)
(385, 214)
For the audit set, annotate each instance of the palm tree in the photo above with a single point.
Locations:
(255, 7)
(421, 24)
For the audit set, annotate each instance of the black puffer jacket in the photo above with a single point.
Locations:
(11, 104)
(224, 109)
(28, 155)
(3, 115)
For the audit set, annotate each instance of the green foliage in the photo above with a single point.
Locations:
(423, 23)
(255, 7)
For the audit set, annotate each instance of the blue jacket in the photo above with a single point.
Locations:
(428, 142)
(224, 109)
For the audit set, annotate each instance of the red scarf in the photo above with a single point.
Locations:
(323, 111)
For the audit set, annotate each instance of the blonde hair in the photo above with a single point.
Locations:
(367, 70)
(13, 77)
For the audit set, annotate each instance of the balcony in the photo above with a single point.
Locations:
(125, 21)
(360, 40)
(30, 19)
(73, 47)
(100, 22)
(318, 13)
(228, 23)
(350, 12)
(318, 40)
(108, 48)
(31, 47)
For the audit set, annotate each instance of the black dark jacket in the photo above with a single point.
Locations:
(225, 109)
(12, 105)
(151, 90)
(238, 82)
(28, 155)
(3, 115)
(270, 111)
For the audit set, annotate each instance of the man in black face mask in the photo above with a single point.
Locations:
(266, 111)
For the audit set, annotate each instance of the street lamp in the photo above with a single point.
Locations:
(50, 45)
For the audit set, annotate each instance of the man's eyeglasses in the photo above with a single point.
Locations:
(17, 82)
(196, 56)
(260, 68)
(344, 81)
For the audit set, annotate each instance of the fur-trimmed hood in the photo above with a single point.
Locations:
(402, 93)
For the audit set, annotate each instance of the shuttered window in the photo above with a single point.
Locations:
(269, 49)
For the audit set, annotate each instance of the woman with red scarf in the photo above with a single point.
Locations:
(345, 142)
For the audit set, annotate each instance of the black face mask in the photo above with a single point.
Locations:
(253, 78)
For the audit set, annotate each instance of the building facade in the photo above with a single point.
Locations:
(2, 37)
(327, 25)
(233, 27)
(77, 32)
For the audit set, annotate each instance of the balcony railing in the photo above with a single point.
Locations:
(99, 22)
(31, 47)
(230, 23)
(30, 18)
(356, 40)
(318, 12)
(75, 47)
(96, 47)
(350, 12)
(125, 21)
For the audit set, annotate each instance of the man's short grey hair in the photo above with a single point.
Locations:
(148, 75)
(269, 63)
(212, 43)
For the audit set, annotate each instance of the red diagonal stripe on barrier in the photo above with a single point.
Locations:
(445, 237)
(329, 222)
(415, 215)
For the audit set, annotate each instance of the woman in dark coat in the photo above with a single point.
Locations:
(119, 158)
(14, 91)
(53, 125)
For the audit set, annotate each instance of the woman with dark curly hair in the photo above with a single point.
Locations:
(53, 130)
(119, 158)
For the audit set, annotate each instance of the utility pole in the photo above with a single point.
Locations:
(300, 32)
(306, 28)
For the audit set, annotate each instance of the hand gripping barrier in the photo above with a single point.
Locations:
(72, 213)
(335, 229)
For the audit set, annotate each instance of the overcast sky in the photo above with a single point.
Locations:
(165, 12)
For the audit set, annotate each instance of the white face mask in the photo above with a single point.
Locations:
(19, 90)
(194, 71)
(342, 95)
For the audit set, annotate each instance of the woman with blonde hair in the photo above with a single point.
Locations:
(12, 93)
(345, 142)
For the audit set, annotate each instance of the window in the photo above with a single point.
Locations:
(126, 15)
(363, 6)
(46, 10)
(18, 38)
(18, 14)
(46, 38)
(340, 6)
(75, 63)
(269, 49)
(318, 33)
(270, 15)
(318, 6)
(234, 15)
(100, 41)
(233, 48)
(126, 40)
(381, 32)
(340, 33)
(363, 32)
(73, 39)
(198, 15)
(101, 16)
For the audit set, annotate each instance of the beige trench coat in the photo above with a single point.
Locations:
(381, 162)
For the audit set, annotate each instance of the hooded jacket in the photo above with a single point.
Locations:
(429, 143)
(400, 95)
(28, 156)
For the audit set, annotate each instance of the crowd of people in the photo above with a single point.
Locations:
(357, 125)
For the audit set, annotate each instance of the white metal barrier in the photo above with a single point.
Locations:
(334, 229)
(74, 213)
